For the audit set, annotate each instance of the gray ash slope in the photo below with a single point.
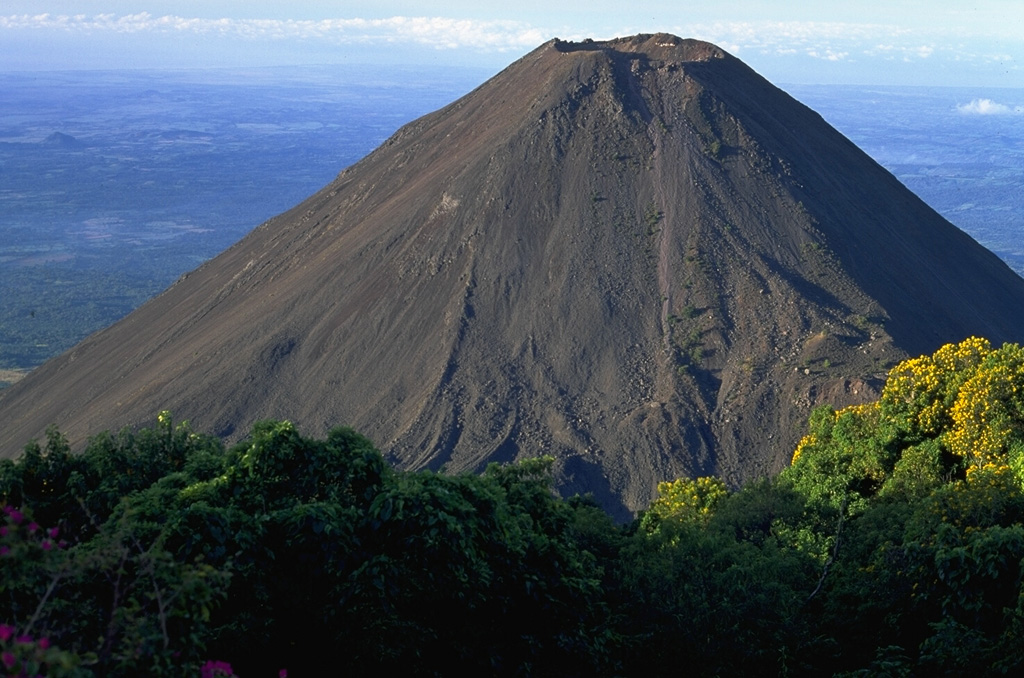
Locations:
(636, 255)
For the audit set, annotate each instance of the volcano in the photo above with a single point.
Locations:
(635, 255)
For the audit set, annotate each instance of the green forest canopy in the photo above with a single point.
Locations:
(893, 545)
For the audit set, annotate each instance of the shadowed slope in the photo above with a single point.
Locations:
(637, 255)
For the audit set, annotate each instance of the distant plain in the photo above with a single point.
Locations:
(115, 183)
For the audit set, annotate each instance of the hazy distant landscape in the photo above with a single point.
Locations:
(113, 184)
(960, 149)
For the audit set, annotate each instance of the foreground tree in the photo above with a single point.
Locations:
(285, 551)
(891, 546)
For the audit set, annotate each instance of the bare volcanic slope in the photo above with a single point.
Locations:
(636, 255)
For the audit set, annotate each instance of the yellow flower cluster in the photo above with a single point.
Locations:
(990, 474)
(966, 355)
(864, 411)
(919, 391)
(986, 412)
(688, 501)
(806, 442)
(854, 419)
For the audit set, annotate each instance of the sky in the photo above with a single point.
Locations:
(893, 42)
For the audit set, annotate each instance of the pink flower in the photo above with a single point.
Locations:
(213, 668)
(8, 659)
(44, 643)
(4, 550)
(16, 516)
(47, 544)
(283, 673)
(32, 527)
(6, 631)
(53, 532)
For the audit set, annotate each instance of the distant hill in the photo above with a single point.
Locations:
(62, 140)
(636, 255)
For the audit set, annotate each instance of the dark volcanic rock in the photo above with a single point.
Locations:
(635, 255)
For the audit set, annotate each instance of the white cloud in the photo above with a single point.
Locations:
(989, 107)
(826, 48)
(908, 52)
(822, 37)
(827, 55)
(843, 41)
(833, 41)
(440, 32)
(825, 40)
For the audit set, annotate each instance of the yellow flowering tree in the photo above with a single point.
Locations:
(925, 487)
(919, 394)
(939, 417)
(684, 501)
(842, 459)
(988, 414)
